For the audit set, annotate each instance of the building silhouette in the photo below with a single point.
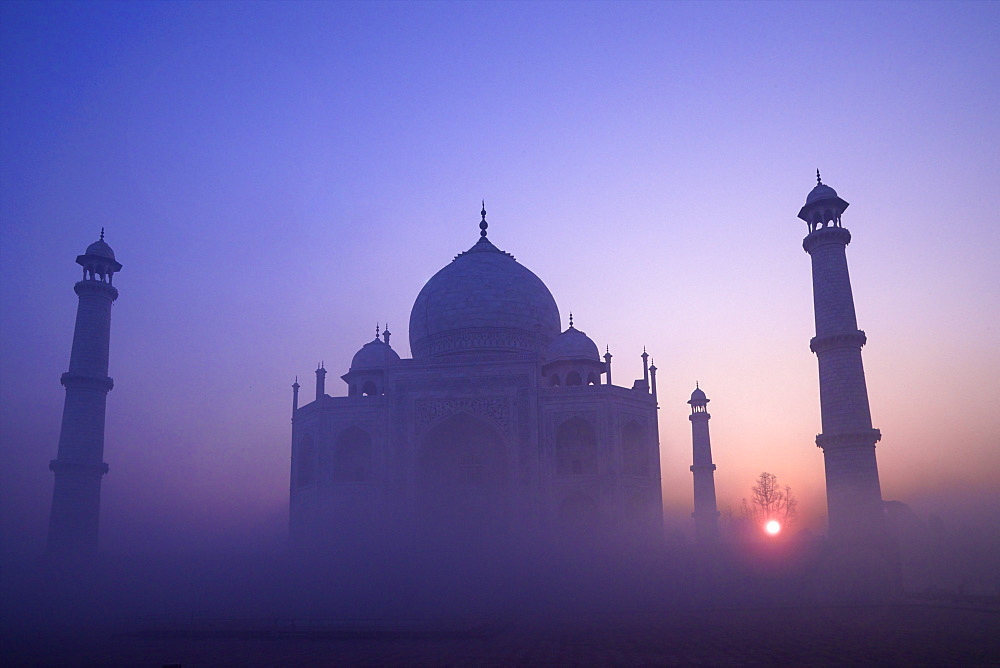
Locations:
(79, 464)
(500, 423)
(854, 498)
(706, 512)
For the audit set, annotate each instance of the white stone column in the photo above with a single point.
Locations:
(854, 498)
(706, 512)
(79, 464)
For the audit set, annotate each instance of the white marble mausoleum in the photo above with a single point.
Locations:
(500, 422)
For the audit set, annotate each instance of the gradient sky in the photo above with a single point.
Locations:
(278, 177)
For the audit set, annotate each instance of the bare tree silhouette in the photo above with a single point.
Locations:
(770, 501)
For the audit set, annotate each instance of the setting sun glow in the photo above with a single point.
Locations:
(772, 527)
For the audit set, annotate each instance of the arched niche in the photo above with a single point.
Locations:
(305, 462)
(352, 456)
(576, 448)
(635, 450)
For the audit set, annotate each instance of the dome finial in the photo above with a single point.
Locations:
(483, 224)
(570, 318)
(696, 385)
(819, 181)
(377, 330)
(102, 234)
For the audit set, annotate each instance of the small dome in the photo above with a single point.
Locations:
(698, 397)
(572, 345)
(101, 249)
(374, 355)
(821, 191)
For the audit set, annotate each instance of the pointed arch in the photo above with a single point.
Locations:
(635, 450)
(305, 462)
(369, 389)
(576, 448)
(573, 378)
(352, 456)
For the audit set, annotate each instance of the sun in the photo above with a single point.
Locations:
(773, 527)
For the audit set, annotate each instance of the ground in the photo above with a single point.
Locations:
(904, 633)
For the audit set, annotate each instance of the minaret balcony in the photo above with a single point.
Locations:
(71, 466)
(821, 344)
(826, 235)
(866, 438)
(78, 380)
(95, 287)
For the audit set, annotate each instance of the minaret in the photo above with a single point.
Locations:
(79, 464)
(321, 381)
(706, 513)
(853, 495)
(652, 376)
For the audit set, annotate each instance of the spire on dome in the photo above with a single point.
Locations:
(102, 234)
(483, 224)
(570, 318)
(376, 332)
(819, 181)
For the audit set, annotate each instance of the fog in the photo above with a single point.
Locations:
(277, 178)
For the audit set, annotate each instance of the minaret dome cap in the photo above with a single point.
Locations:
(821, 191)
(99, 252)
(823, 199)
(698, 397)
(101, 249)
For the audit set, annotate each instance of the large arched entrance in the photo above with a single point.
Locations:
(461, 482)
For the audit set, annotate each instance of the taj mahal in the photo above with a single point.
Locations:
(502, 422)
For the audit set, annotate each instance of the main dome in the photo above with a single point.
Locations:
(483, 301)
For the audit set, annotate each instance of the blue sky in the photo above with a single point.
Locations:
(278, 177)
